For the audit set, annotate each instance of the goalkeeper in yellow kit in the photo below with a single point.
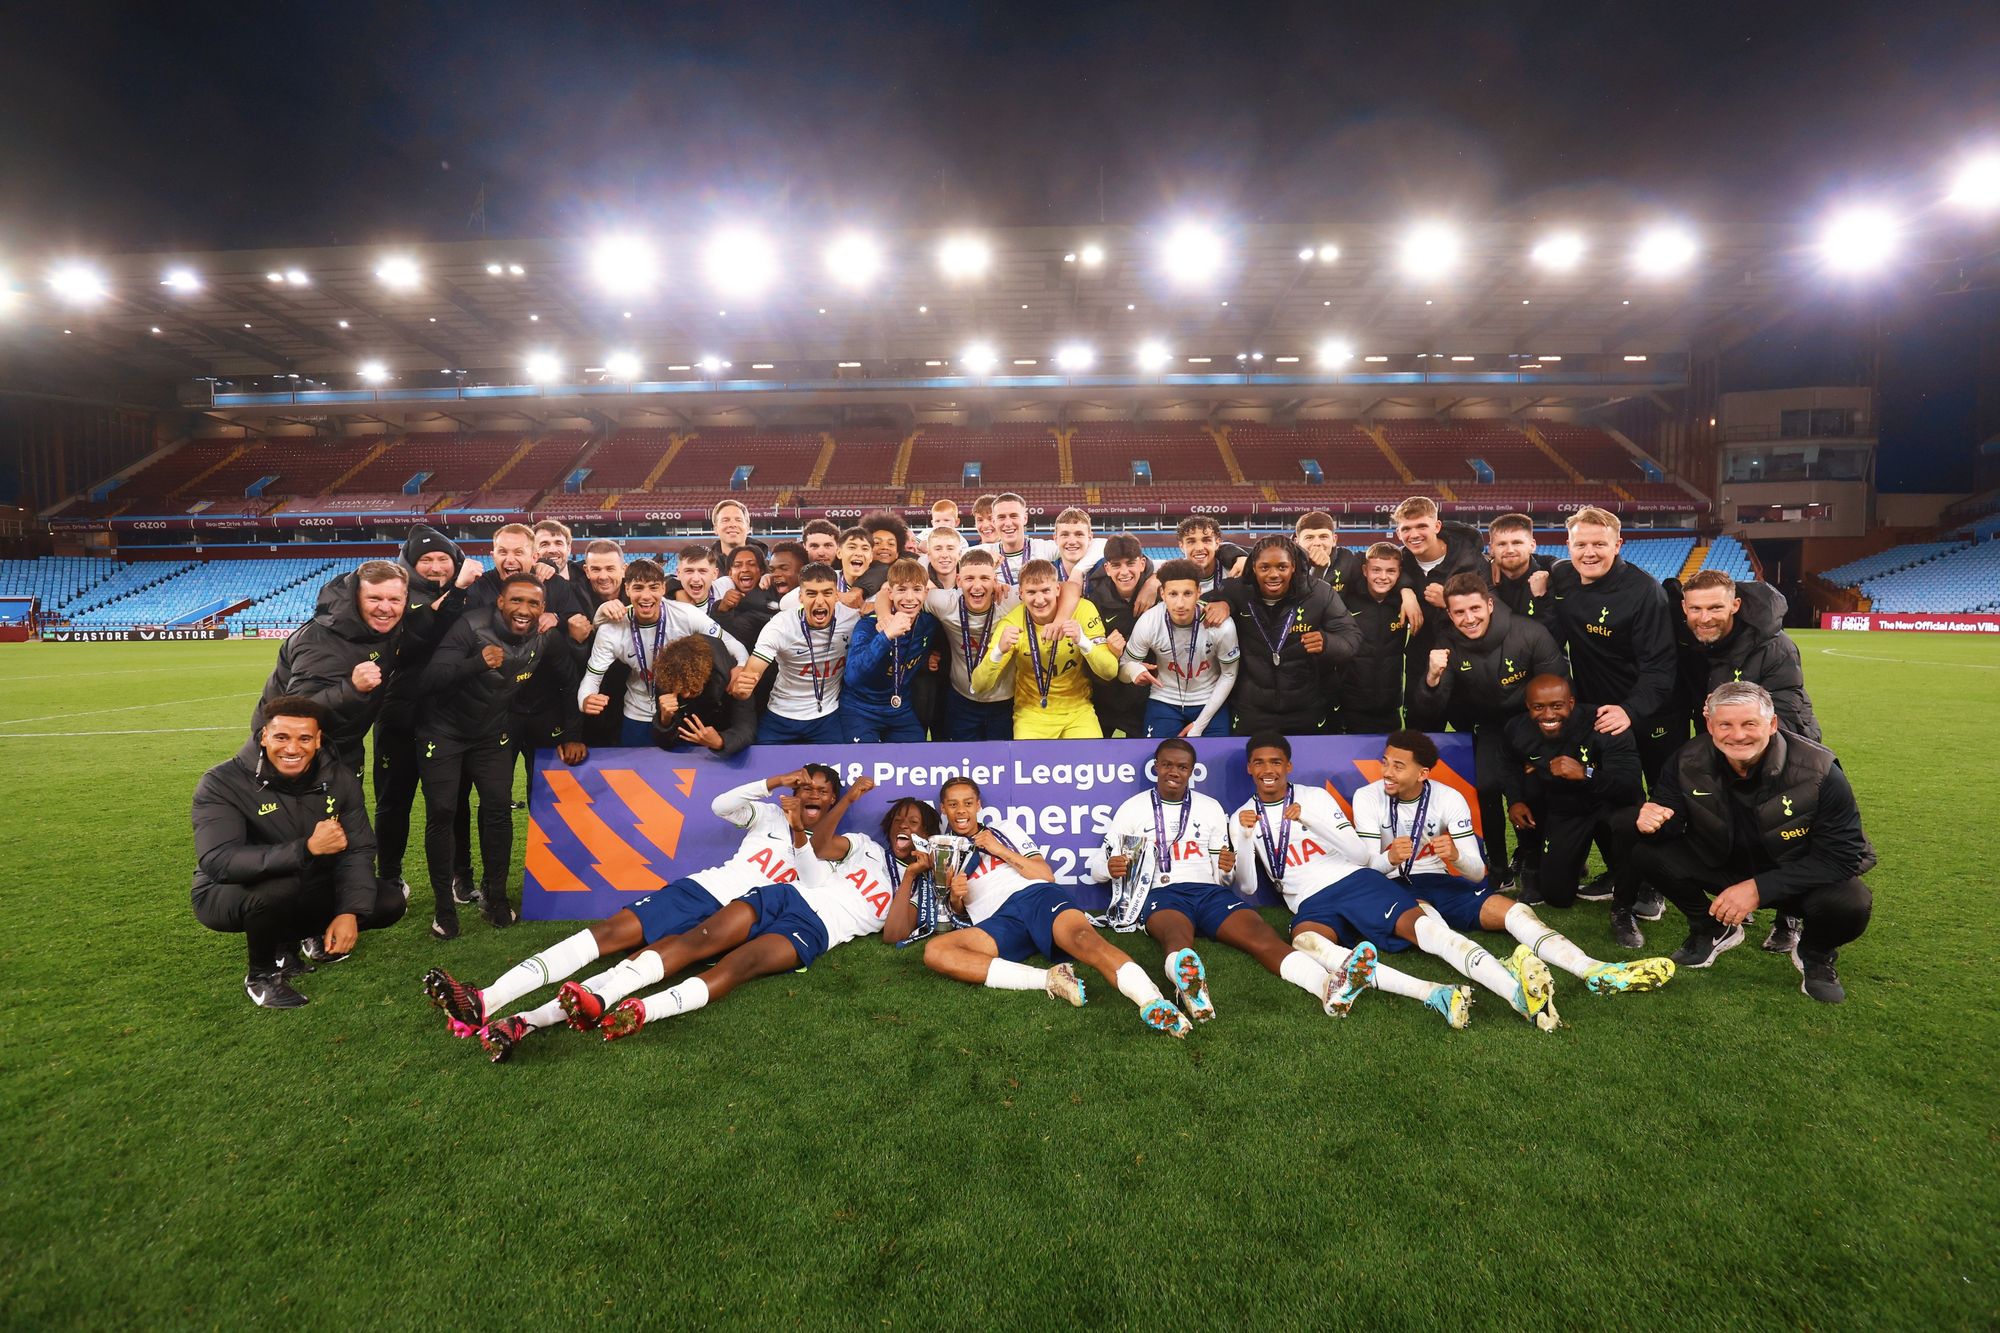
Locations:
(1051, 696)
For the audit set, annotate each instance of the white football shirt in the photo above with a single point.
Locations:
(852, 897)
(798, 655)
(766, 854)
(1381, 819)
(1322, 850)
(972, 635)
(1192, 860)
(992, 881)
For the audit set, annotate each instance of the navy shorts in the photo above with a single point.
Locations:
(1457, 900)
(782, 910)
(673, 910)
(1207, 905)
(773, 729)
(1025, 924)
(1364, 905)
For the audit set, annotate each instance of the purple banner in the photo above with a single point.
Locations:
(624, 822)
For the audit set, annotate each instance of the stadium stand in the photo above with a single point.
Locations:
(128, 582)
(1591, 451)
(570, 508)
(229, 508)
(293, 584)
(1662, 557)
(1965, 579)
(1857, 573)
(1342, 449)
(711, 456)
(861, 458)
(505, 500)
(1445, 451)
(367, 502)
(1104, 451)
(1011, 455)
(1730, 556)
(623, 462)
(544, 465)
(304, 466)
(158, 480)
(455, 462)
(55, 580)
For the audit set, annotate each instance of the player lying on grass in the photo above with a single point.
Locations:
(1016, 912)
(1167, 854)
(1419, 832)
(766, 856)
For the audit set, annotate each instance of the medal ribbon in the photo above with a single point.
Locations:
(970, 650)
(1275, 848)
(1042, 680)
(1160, 829)
(1416, 828)
(1278, 648)
(812, 659)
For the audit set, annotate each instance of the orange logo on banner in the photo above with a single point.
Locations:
(623, 868)
(659, 822)
(1371, 771)
(546, 867)
(684, 779)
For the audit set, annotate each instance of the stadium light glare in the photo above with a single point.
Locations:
(741, 261)
(1091, 255)
(1860, 239)
(182, 280)
(274, 277)
(622, 366)
(495, 269)
(1328, 253)
(515, 270)
(1431, 250)
(1664, 251)
(853, 260)
(78, 284)
(710, 365)
(623, 264)
(544, 368)
(1559, 253)
(1192, 254)
(1333, 352)
(296, 277)
(1075, 358)
(1975, 186)
(1153, 355)
(964, 257)
(978, 359)
(398, 273)
(373, 372)
(1306, 254)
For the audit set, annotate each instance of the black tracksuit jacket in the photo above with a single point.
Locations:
(1486, 677)
(1756, 649)
(251, 826)
(1620, 638)
(318, 661)
(465, 700)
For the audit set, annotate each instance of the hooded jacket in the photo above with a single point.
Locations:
(251, 826)
(1485, 679)
(1519, 598)
(1756, 649)
(1620, 638)
(462, 698)
(1292, 689)
(1371, 684)
(735, 719)
(433, 610)
(318, 661)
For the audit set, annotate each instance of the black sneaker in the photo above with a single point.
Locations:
(269, 990)
(1784, 936)
(314, 948)
(1625, 930)
(1705, 945)
(1651, 905)
(444, 927)
(1597, 891)
(291, 964)
(1817, 977)
(496, 910)
(462, 891)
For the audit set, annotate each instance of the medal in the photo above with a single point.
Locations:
(897, 673)
(644, 660)
(812, 660)
(967, 646)
(1416, 827)
(1275, 848)
(1042, 679)
(1160, 833)
(1173, 654)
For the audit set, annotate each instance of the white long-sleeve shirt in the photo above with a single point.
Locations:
(852, 897)
(991, 881)
(1187, 858)
(1207, 685)
(1381, 819)
(1323, 849)
(797, 654)
(614, 642)
(766, 855)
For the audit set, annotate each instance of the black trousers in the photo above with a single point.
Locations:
(1833, 913)
(449, 769)
(1304, 720)
(274, 915)
(1657, 739)
(395, 778)
(1489, 757)
(1559, 845)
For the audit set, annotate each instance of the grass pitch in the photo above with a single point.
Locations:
(871, 1145)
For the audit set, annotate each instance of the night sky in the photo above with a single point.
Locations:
(200, 125)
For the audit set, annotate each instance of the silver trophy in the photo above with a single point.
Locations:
(1123, 910)
(1131, 846)
(950, 856)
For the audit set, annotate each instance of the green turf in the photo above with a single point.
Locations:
(871, 1145)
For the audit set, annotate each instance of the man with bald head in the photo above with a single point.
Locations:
(1563, 782)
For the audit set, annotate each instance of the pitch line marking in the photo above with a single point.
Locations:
(124, 671)
(125, 708)
(155, 731)
(1911, 661)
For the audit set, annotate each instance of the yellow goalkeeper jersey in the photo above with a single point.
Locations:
(1062, 664)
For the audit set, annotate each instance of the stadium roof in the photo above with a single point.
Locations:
(479, 309)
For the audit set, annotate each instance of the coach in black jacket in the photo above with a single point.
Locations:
(1120, 705)
(1292, 627)
(1727, 631)
(341, 658)
(1433, 552)
(1758, 818)
(283, 853)
(1370, 685)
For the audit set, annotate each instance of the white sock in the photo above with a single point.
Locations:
(613, 985)
(547, 1016)
(1472, 962)
(681, 998)
(550, 965)
(1003, 975)
(1549, 946)
(1136, 986)
(1402, 983)
(1304, 972)
(1173, 977)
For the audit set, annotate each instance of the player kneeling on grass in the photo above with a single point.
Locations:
(1419, 832)
(1311, 853)
(1005, 891)
(284, 854)
(1167, 854)
(772, 854)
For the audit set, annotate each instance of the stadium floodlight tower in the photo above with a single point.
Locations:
(964, 257)
(374, 372)
(399, 273)
(623, 366)
(1153, 356)
(181, 279)
(78, 283)
(978, 359)
(854, 260)
(1559, 252)
(1860, 239)
(1334, 353)
(741, 262)
(544, 368)
(1075, 358)
(622, 265)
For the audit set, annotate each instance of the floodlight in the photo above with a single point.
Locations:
(1431, 250)
(978, 359)
(1859, 239)
(296, 277)
(1560, 252)
(182, 280)
(1976, 186)
(1074, 358)
(622, 366)
(1153, 355)
(964, 256)
(79, 284)
(515, 270)
(621, 264)
(1328, 253)
(1192, 254)
(711, 364)
(374, 372)
(398, 272)
(1091, 255)
(1306, 253)
(274, 277)
(853, 260)
(740, 261)
(495, 270)
(543, 368)
(1664, 251)
(1333, 353)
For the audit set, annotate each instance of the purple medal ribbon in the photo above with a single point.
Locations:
(812, 659)
(897, 673)
(643, 659)
(1416, 827)
(967, 648)
(1275, 848)
(1042, 682)
(1278, 648)
(1160, 832)
(1194, 642)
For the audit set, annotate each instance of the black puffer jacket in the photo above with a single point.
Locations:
(318, 661)
(1486, 677)
(434, 608)
(1756, 649)
(1371, 683)
(251, 826)
(1620, 638)
(1292, 691)
(463, 698)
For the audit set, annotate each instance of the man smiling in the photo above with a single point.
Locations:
(341, 658)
